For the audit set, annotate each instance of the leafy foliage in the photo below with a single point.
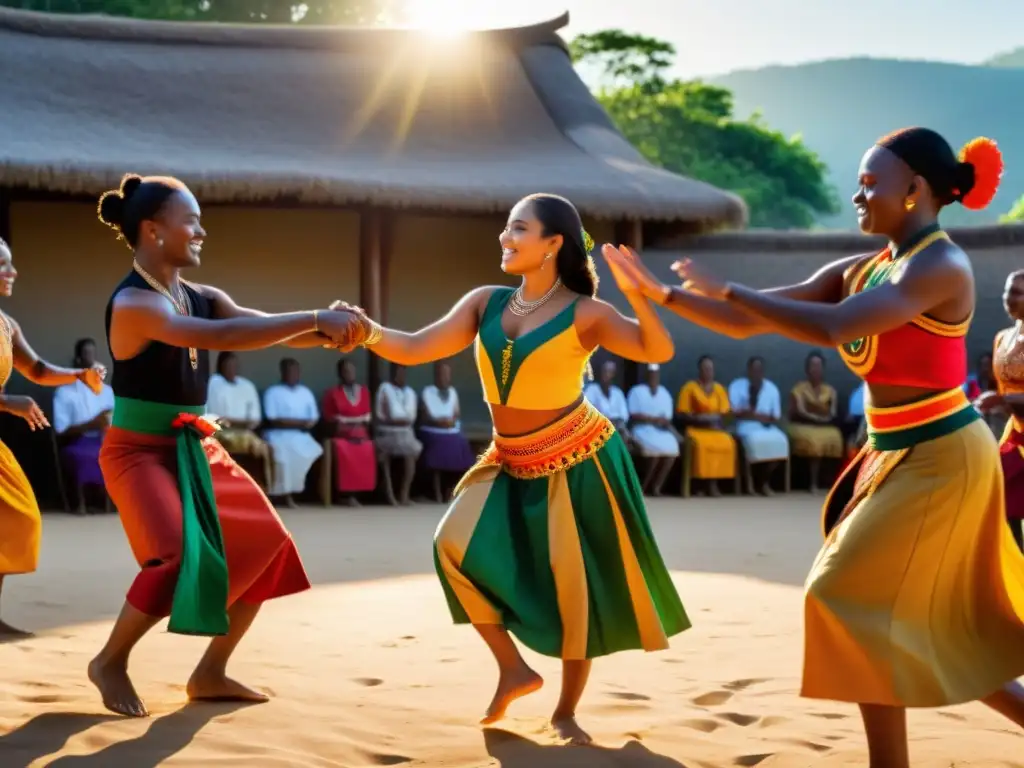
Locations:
(689, 127)
(1015, 214)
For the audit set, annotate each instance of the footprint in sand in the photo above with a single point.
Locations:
(44, 698)
(672, 661)
(772, 720)
(369, 682)
(630, 696)
(389, 759)
(711, 699)
(737, 719)
(953, 716)
(751, 760)
(704, 726)
(830, 715)
(742, 685)
(808, 745)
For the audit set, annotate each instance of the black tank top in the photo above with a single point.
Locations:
(161, 373)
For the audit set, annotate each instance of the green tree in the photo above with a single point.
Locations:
(249, 11)
(1015, 214)
(688, 127)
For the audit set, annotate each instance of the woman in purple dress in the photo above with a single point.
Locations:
(445, 449)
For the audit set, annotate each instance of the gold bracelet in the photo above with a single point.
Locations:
(316, 321)
(375, 334)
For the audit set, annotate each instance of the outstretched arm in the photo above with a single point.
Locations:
(33, 367)
(442, 338)
(825, 285)
(225, 308)
(140, 317)
(930, 280)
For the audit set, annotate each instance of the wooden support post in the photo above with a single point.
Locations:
(370, 293)
(630, 232)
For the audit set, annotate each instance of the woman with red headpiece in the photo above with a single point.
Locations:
(917, 596)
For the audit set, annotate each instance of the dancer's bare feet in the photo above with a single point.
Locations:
(6, 630)
(213, 686)
(114, 685)
(512, 686)
(569, 731)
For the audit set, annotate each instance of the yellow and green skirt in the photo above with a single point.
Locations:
(548, 536)
(917, 596)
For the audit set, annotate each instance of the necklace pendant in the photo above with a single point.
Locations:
(193, 358)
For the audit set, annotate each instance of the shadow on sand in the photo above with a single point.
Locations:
(165, 737)
(514, 751)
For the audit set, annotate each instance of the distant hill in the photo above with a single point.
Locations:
(840, 107)
(1014, 58)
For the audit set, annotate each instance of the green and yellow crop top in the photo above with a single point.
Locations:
(542, 370)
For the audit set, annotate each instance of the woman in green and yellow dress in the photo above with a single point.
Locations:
(813, 410)
(547, 537)
(700, 408)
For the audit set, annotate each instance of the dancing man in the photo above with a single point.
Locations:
(210, 545)
(917, 596)
(547, 537)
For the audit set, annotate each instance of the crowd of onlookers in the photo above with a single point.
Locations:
(385, 441)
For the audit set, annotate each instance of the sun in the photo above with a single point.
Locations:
(450, 18)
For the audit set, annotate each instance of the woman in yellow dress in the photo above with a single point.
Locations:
(702, 404)
(20, 522)
(813, 410)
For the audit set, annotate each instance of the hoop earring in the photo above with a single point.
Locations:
(909, 205)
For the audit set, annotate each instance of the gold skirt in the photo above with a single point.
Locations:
(917, 596)
(20, 522)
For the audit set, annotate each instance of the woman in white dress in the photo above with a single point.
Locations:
(650, 412)
(395, 436)
(291, 412)
(446, 451)
(757, 406)
(609, 399)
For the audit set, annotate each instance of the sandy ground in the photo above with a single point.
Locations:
(366, 669)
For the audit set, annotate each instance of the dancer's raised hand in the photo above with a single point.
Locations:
(631, 274)
(699, 279)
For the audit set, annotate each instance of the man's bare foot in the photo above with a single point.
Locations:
(204, 686)
(116, 688)
(6, 630)
(569, 731)
(511, 687)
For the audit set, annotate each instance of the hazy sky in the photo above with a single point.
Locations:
(715, 36)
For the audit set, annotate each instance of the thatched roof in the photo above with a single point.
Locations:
(322, 116)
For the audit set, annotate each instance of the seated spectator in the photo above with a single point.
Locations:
(347, 413)
(813, 417)
(80, 418)
(650, 415)
(609, 399)
(446, 451)
(233, 399)
(291, 413)
(395, 412)
(700, 409)
(757, 406)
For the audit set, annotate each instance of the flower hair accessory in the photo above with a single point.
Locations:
(588, 241)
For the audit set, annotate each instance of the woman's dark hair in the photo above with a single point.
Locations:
(80, 346)
(222, 359)
(342, 362)
(286, 363)
(971, 178)
(702, 358)
(754, 359)
(559, 217)
(137, 200)
(813, 354)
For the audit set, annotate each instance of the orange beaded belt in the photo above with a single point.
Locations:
(572, 439)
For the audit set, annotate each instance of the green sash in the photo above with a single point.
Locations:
(201, 593)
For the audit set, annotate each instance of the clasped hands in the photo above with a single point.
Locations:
(632, 276)
(346, 325)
